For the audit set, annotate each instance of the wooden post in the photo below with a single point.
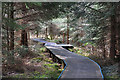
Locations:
(50, 54)
(53, 57)
(57, 60)
(63, 65)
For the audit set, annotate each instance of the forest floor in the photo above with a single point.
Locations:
(37, 64)
(109, 67)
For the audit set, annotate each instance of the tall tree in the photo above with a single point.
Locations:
(118, 33)
(12, 28)
(8, 27)
(46, 31)
(113, 37)
(68, 29)
(118, 27)
(24, 40)
(63, 37)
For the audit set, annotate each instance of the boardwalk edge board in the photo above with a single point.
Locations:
(62, 70)
(98, 66)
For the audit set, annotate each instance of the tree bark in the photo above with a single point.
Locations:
(28, 36)
(118, 28)
(8, 13)
(37, 34)
(46, 36)
(12, 28)
(113, 37)
(67, 29)
(7, 38)
(24, 40)
(118, 33)
(104, 50)
(63, 37)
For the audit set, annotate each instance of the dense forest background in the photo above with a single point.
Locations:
(92, 27)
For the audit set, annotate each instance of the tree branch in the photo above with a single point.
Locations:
(94, 9)
(34, 14)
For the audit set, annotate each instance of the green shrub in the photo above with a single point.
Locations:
(38, 59)
(42, 49)
(22, 51)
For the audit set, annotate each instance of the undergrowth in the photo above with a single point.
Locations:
(36, 64)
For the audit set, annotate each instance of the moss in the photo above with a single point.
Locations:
(51, 65)
(115, 77)
(42, 49)
(48, 60)
(38, 59)
(52, 71)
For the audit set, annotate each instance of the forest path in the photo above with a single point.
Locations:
(77, 66)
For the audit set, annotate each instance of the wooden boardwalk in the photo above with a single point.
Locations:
(76, 66)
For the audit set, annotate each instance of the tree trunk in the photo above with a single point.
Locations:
(67, 29)
(118, 33)
(104, 50)
(118, 28)
(8, 13)
(7, 38)
(37, 34)
(63, 37)
(11, 39)
(93, 50)
(12, 29)
(24, 40)
(113, 37)
(28, 36)
(46, 36)
(51, 36)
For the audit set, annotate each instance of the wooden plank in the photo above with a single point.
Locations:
(78, 66)
(66, 46)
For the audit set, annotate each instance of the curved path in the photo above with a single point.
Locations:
(77, 66)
